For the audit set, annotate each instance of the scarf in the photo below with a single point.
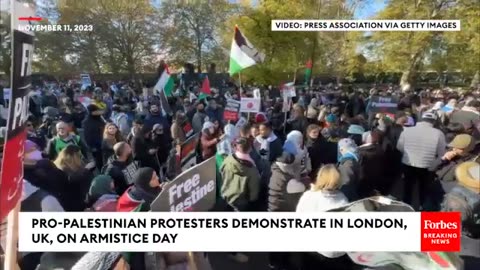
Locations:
(265, 142)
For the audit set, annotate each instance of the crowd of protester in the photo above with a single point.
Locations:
(328, 150)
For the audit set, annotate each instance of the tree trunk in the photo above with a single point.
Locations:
(132, 72)
(199, 59)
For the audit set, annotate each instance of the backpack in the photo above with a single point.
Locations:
(33, 203)
(467, 202)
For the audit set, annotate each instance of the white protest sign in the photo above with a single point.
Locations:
(241, 123)
(256, 93)
(85, 79)
(289, 90)
(7, 92)
(250, 105)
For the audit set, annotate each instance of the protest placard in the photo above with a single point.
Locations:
(383, 104)
(85, 79)
(192, 190)
(250, 105)
(231, 110)
(187, 155)
(6, 93)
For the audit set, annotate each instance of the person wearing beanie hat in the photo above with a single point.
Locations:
(260, 118)
(420, 146)
(355, 132)
(301, 154)
(101, 196)
(461, 149)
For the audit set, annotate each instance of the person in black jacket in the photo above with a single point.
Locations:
(143, 149)
(267, 144)
(121, 167)
(79, 176)
(162, 143)
(93, 127)
(372, 167)
(320, 150)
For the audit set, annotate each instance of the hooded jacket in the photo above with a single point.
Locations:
(284, 191)
(122, 173)
(93, 127)
(241, 182)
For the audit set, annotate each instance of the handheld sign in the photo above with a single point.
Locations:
(192, 190)
(12, 164)
(231, 110)
(383, 105)
(187, 155)
(85, 79)
(256, 93)
(250, 105)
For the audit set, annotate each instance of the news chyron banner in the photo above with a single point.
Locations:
(12, 162)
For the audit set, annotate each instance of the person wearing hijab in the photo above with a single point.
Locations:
(209, 140)
(101, 196)
(145, 189)
(302, 158)
(355, 133)
(349, 168)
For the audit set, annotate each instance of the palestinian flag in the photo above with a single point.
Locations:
(308, 71)
(205, 91)
(164, 88)
(243, 54)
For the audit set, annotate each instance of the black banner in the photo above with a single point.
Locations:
(12, 163)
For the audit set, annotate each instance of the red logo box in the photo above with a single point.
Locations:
(441, 231)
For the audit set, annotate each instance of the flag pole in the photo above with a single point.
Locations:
(12, 238)
(240, 79)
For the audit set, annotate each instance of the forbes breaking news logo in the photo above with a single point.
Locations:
(441, 231)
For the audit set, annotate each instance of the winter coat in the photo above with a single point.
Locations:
(283, 194)
(121, 172)
(349, 173)
(93, 127)
(241, 183)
